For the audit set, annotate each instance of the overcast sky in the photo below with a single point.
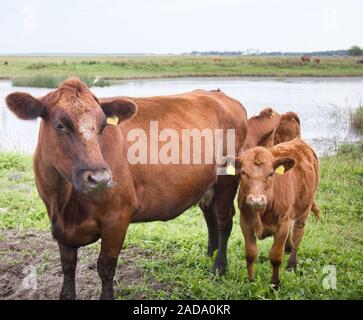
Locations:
(176, 26)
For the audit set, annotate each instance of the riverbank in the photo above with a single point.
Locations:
(167, 260)
(21, 68)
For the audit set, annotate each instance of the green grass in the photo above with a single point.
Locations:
(356, 120)
(176, 249)
(110, 67)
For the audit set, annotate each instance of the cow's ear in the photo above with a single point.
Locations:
(25, 106)
(118, 110)
(283, 164)
(231, 164)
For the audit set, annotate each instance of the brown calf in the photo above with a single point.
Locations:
(277, 192)
(91, 190)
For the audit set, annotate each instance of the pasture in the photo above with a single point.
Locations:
(168, 260)
(49, 71)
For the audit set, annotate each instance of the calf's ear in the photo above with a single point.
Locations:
(283, 164)
(118, 110)
(25, 106)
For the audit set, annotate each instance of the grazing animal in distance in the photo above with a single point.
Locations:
(91, 190)
(277, 191)
(305, 59)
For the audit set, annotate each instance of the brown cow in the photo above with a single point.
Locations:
(261, 128)
(278, 187)
(317, 60)
(288, 128)
(91, 190)
(305, 59)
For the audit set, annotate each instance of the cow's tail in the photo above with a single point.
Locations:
(315, 210)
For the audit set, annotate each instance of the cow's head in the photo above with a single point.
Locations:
(257, 168)
(288, 129)
(261, 129)
(70, 135)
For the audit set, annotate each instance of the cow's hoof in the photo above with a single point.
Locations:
(275, 285)
(67, 296)
(291, 265)
(219, 268)
(210, 251)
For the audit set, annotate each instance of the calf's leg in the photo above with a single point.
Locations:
(297, 234)
(112, 238)
(277, 251)
(69, 263)
(288, 244)
(250, 247)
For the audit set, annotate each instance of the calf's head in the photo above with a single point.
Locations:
(70, 137)
(258, 168)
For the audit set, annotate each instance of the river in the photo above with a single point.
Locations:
(323, 104)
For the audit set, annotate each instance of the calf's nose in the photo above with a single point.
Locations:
(256, 201)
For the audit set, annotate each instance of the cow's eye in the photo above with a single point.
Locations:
(59, 127)
(270, 175)
(244, 174)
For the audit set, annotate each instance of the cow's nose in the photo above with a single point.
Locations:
(97, 180)
(256, 201)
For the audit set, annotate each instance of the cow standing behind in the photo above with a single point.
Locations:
(277, 192)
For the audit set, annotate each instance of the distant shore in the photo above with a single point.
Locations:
(52, 69)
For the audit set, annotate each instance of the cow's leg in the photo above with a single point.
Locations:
(250, 247)
(212, 226)
(277, 251)
(225, 192)
(69, 263)
(297, 234)
(112, 238)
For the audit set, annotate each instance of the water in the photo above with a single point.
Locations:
(323, 104)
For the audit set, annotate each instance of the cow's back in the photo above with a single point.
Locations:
(166, 190)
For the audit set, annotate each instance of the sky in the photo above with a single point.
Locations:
(177, 26)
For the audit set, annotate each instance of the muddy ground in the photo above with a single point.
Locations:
(24, 254)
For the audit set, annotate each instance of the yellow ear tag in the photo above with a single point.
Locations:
(112, 120)
(231, 170)
(280, 170)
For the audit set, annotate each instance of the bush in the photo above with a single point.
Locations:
(356, 120)
(355, 150)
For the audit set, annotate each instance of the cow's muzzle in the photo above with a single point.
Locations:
(93, 180)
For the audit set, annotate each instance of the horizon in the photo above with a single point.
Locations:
(65, 54)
